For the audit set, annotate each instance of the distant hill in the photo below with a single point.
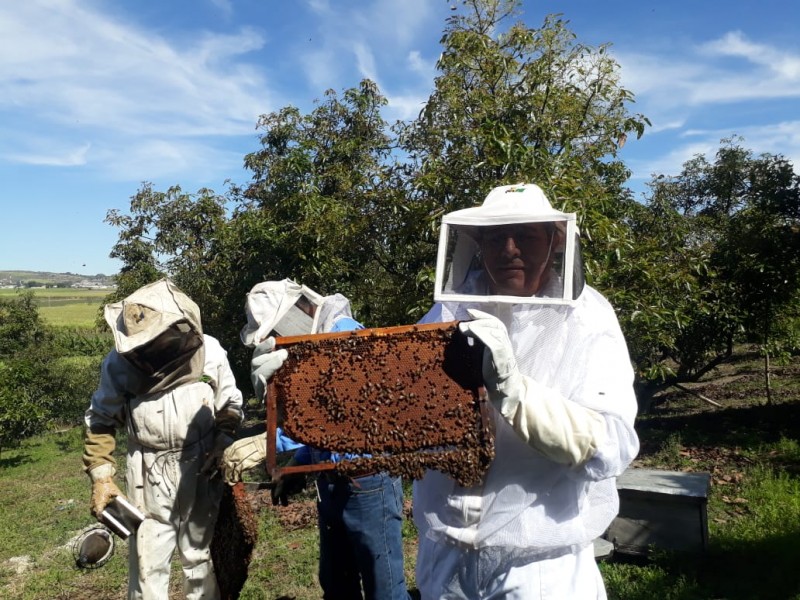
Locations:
(40, 278)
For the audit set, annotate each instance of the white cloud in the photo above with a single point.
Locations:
(404, 108)
(417, 64)
(736, 44)
(694, 77)
(75, 72)
(366, 38)
(779, 138)
(224, 6)
(69, 157)
(365, 62)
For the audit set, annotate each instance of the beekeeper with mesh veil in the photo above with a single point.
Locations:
(557, 371)
(282, 308)
(172, 390)
(360, 517)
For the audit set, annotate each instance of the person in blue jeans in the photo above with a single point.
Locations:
(360, 516)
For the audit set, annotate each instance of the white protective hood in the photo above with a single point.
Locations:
(148, 312)
(271, 303)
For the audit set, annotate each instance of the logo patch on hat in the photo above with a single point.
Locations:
(136, 318)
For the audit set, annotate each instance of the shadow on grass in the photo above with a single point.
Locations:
(15, 461)
(746, 428)
(731, 569)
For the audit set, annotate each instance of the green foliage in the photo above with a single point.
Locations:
(517, 104)
(46, 376)
(82, 341)
(20, 416)
(20, 325)
(343, 203)
(726, 235)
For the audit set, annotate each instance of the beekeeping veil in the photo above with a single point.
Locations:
(460, 270)
(288, 308)
(158, 330)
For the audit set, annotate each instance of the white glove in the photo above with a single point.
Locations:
(242, 455)
(562, 430)
(266, 360)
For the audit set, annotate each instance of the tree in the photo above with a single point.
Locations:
(310, 211)
(519, 104)
(37, 388)
(20, 324)
(340, 201)
(736, 221)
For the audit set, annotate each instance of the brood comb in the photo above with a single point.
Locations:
(411, 397)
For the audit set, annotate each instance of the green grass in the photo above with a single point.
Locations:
(44, 499)
(754, 535)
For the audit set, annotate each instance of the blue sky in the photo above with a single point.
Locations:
(97, 97)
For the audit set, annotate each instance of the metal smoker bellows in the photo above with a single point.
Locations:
(409, 396)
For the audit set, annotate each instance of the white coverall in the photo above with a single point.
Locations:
(527, 532)
(169, 435)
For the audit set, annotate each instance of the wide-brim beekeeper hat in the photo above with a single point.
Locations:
(149, 312)
(271, 303)
(459, 265)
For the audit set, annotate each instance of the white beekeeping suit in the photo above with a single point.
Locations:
(557, 371)
(172, 389)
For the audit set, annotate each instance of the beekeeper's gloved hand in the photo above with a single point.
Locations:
(501, 377)
(562, 430)
(242, 455)
(212, 465)
(103, 488)
(266, 360)
(288, 484)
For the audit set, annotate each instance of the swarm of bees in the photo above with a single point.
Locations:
(409, 397)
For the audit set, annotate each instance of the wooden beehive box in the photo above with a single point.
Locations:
(664, 509)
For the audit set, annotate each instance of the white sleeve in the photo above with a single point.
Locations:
(562, 430)
(227, 395)
(107, 406)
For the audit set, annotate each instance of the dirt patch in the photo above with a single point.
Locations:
(299, 514)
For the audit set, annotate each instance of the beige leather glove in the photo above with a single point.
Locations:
(559, 428)
(103, 488)
(242, 455)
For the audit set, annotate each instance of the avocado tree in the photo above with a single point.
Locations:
(343, 202)
(727, 232)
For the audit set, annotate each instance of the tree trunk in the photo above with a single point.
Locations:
(767, 333)
(767, 378)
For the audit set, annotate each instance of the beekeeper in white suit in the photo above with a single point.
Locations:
(557, 371)
(360, 516)
(282, 308)
(172, 389)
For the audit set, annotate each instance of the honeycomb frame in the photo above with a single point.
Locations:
(410, 396)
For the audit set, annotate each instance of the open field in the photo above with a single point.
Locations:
(751, 450)
(66, 307)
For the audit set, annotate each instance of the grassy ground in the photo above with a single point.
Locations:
(752, 452)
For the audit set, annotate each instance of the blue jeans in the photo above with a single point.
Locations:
(360, 545)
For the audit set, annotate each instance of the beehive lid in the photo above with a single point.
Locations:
(409, 396)
(672, 483)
